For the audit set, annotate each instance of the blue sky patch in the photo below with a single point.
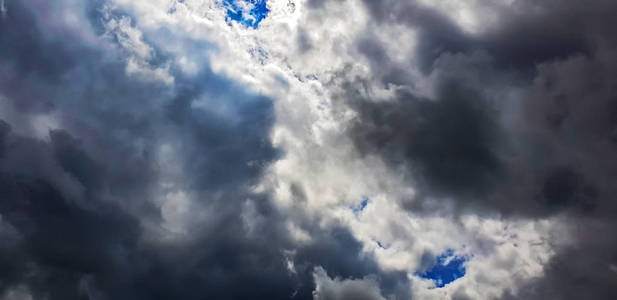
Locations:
(448, 268)
(360, 207)
(246, 12)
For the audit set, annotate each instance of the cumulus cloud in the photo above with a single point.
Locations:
(332, 150)
(138, 186)
(333, 289)
(522, 140)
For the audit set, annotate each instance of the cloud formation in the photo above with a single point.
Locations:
(331, 150)
(134, 186)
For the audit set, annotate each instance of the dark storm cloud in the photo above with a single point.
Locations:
(449, 141)
(60, 243)
(569, 122)
(527, 32)
(221, 138)
(550, 150)
(584, 271)
(5, 129)
(464, 140)
(78, 204)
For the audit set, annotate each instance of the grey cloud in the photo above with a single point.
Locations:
(569, 123)
(76, 203)
(337, 251)
(549, 151)
(585, 270)
(337, 289)
(464, 142)
(527, 32)
(304, 41)
(437, 34)
(449, 141)
(5, 129)
(79, 203)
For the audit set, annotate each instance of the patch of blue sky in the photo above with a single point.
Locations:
(448, 268)
(246, 12)
(360, 207)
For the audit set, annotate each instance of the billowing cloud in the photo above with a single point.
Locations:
(518, 120)
(332, 289)
(290, 149)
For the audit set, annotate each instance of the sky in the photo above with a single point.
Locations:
(308, 149)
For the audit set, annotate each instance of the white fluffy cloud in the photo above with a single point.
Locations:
(297, 56)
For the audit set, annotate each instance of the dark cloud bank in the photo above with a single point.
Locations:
(76, 206)
(523, 123)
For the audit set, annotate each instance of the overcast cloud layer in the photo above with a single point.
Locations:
(160, 149)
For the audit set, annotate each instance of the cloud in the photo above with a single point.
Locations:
(449, 141)
(149, 149)
(522, 142)
(145, 186)
(333, 289)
